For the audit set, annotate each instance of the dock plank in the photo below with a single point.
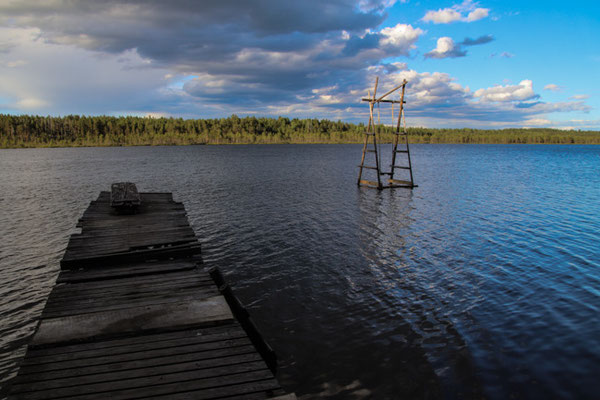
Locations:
(134, 373)
(105, 323)
(46, 372)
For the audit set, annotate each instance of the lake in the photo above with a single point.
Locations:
(483, 281)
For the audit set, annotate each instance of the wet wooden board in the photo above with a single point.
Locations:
(107, 236)
(182, 363)
(133, 315)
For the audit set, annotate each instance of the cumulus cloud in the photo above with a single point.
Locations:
(446, 48)
(580, 96)
(522, 91)
(552, 87)
(191, 59)
(569, 124)
(443, 16)
(401, 37)
(477, 14)
(430, 94)
(391, 41)
(467, 11)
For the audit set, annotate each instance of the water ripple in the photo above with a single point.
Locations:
(484, 281)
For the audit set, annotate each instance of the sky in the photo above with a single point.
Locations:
(487, 64)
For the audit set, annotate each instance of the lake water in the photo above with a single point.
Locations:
(483, 281)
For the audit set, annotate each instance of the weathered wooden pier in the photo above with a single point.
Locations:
(135, 315)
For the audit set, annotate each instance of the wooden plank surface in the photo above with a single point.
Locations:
(106, 235)
(148, 317)
(133, 315)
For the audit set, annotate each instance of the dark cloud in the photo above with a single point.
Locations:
(356, 44)
(529, 104)
(480, 40)
(271, 44)
(261, 16)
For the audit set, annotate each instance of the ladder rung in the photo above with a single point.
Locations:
(370, 183)
(369, 133)
(401, 133)
(401, 151)
(371, 151)
(367, 167)
(399, 167)
(399, 182)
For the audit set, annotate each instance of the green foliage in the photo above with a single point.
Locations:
(75, 130)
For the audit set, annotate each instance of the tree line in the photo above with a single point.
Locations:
(74, 130)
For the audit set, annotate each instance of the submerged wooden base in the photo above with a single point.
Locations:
(134, 315)
(394, 183)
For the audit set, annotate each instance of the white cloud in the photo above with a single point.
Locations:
(520, 92)
(563, 106)
(425, 89)
(580, 97)
(537, 122)
(31, 103)
(442, 16)
(465, 12)
(446, 48)
(477, 14)
(552, 87)
(401, 36)
(569, 124)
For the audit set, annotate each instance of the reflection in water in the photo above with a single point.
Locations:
(412, 295)
(483, 281)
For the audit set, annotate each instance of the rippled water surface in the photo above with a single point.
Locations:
(483, 281)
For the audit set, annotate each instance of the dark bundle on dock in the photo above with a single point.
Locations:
(124, 196)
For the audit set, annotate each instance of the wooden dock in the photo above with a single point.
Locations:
(135, 315)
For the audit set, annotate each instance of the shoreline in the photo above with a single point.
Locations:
(66, 146)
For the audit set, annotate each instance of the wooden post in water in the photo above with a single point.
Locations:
(372, 131)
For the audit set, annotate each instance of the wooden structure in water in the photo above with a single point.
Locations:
(135, 315)
(371, 133)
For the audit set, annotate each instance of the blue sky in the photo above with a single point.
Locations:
(486, 64)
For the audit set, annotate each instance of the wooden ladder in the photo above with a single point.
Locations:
(371, 132)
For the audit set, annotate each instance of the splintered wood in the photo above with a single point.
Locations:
(134, 315)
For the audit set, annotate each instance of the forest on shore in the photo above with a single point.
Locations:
(18, 131)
